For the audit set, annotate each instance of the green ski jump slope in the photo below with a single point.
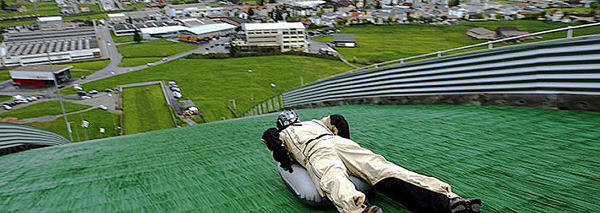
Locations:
(514, 159)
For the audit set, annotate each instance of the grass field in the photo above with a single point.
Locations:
(383, 43)
(121, 39)
(132, 62)
(4, 75)
(154, 48)
(97, 119)
(516, 159)
(145, 109)
(5, 98)
(44, 9)
(134, 6)
(87, 68)
(42, 109)
(213, 84)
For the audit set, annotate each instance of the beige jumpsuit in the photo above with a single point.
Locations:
(329, 159)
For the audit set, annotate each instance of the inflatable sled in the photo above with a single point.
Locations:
(299, 183)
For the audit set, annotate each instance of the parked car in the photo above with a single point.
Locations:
(175, 89)
(77, 87)
(177, 95)
(165, 59)
(82, 93)
(85, 97)
(31, 98)
(172, 83)
(7, 107)
(93, 92)
(149, 64)
(108, 90)
(102, 107)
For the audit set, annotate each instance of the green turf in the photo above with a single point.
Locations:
(132, 62)
(580, 10)
(145, 109)
(403, 41)
(42, 109)
(97, 119)
(213, 84)
(514, 159)
(154, 48)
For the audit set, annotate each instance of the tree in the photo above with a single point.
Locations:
(234, 50)
(4, 5)
(136, 36)
(129, 20)
(250, 12)
(278, 15)
(377, 5)
(453, 3)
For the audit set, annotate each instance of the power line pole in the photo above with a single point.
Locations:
(59, 96)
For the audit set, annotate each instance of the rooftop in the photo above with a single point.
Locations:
(515, 159)
(343, 38)
(116, 15)
(43, 68)
(50, 18)
(272, 26)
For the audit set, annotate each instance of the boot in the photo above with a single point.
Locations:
(464, 205)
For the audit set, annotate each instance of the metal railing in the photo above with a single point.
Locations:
(490, 44)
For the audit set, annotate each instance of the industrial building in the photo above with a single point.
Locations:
(273, 37)
(41, 75)
(129, 29)
(32, 48)
(193, 10)
(209, 30)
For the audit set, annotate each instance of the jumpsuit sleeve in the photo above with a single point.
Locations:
(338, 125)
(271, 138)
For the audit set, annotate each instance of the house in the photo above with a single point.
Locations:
(84, 8)
(482, 34)
(556, 15)
(589, 18)
(344, 40)
(507, 32)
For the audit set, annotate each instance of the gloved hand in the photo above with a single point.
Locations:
(287, 168)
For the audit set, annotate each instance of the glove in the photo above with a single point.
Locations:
(287, 168)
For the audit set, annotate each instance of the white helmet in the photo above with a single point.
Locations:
(286, 118)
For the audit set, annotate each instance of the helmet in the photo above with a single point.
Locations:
(286, 118)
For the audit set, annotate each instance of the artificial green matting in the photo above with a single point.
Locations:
(514, 159)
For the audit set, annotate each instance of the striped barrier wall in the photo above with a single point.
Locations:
(16, 137)
(564, 66)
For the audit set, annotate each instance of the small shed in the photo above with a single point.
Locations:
(507, 32)
(344, 40)
(482, 34)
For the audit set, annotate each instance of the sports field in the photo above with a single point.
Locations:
(515, 159)
(145, 109)
(213, 83)
(388, 42)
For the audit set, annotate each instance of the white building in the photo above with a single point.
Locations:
(33, 48)
(193, 10)
(117, 18)
(281, 36)
(209, 30)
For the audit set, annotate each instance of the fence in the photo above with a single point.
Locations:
(272, 104)
(15, 137)
(563, 66)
